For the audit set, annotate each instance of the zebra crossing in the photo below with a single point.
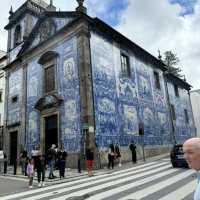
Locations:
(155, 180)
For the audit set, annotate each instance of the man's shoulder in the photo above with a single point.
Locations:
(197, 192)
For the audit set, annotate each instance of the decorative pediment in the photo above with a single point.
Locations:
(48, 101)
(48, 25)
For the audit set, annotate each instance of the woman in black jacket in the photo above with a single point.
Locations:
(62, 155)
(111, 156)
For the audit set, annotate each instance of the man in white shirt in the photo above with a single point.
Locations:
(191, 149)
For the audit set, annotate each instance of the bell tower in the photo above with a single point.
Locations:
(22, 21)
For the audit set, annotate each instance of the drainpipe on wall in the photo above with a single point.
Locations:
(193, 121)
(170, 110)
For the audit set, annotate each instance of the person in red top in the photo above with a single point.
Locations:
(89, 160)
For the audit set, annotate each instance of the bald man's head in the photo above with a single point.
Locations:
(191, 149)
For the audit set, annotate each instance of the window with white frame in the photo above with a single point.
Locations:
(125, 65)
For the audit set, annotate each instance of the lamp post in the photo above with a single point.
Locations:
(141, 133)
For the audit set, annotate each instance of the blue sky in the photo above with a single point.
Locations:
(187, 6)
(152, 24)
(114, 8)
(107, 10)
(110, 11)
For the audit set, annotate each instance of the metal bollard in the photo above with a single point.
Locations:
(1, 161)
(5, 166)
(79, 165)
(15, 167)
(5, 163)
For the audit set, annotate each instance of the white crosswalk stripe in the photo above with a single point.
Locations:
(182, 192)
(100, 186)
(108, 184)
(147, 191)
(147, 166)
(132, 183)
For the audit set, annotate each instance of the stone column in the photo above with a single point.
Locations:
(86, 87)
(23, 108)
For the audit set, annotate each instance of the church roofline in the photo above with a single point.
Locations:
(138, 51)
(97, 24)
(178, 81)
(62, 13)
(195, 91)
(45, 16)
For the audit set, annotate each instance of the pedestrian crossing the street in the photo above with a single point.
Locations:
(155, 180)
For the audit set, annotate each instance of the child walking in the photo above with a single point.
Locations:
(30, 172)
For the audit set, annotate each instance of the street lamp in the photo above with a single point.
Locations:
(141, 133)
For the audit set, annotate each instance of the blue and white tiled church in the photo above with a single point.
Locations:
(72, 80)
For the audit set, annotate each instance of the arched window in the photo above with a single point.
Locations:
(17, 36)
(49, 60)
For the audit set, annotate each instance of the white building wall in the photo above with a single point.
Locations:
(195, 100)
(2, 88)
(2, 91)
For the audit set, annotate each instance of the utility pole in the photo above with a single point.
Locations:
(170, 109)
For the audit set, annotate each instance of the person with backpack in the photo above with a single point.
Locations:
(118, 154)
(62, 155)
(51, 154)
(35, 153)
(111, 156)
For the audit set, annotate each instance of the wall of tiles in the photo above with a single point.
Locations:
(121, 102)
(183, 129)
(15, 91)
(68, 89)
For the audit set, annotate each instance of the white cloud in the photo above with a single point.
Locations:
(157, 25)
(151, 24)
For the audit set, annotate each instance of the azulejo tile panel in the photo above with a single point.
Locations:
(121, 102)
(15, 91)
(67, 88)
(183, 130)
(34, 92)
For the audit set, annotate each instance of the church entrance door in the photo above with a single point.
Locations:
(51, 131)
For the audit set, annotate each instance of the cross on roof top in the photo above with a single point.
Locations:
(80, 2)
(80, 7)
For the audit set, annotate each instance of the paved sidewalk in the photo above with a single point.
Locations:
(72, 174)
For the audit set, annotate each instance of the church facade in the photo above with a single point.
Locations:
(72, 80)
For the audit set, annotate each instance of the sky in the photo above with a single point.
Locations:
(152, 24)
